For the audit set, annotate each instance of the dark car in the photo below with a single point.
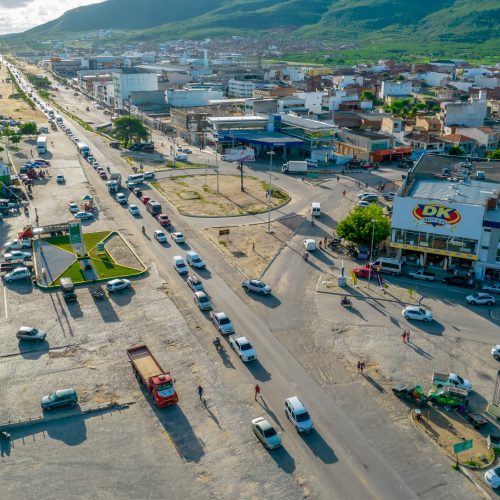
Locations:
(410, 393)
(456, 281)
(63, 397)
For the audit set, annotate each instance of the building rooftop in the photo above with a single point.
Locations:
(236, 119)
(456, 138)
(373, 136)
(305, 123)
(469, 192)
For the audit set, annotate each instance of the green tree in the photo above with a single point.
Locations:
(357, 227)
(15, 139)
(28, 128)
(366, 95)
(493, 155)
(128, 128)
(456, 151)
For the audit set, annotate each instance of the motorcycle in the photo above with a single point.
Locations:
(346, 302)
(217, 343)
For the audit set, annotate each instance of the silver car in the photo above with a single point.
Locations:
(222, 322)
(30, 333)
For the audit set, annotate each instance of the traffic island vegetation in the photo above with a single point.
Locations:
(197, 195)
(104, 265)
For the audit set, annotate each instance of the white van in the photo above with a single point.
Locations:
(386, 265)
(315, 209)
(310, 245)
(135, 178)
(194, 260)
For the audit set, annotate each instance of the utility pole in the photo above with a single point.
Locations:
(373, 221)
(269, 230)
(217, 169)
(241, 175)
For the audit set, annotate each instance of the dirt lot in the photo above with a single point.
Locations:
(191, 196)
(249, 247)
(15, 108)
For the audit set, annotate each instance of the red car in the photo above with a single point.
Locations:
(362, 272)
(145, 199)
(163, 219)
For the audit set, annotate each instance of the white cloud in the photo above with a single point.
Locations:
(20, 15)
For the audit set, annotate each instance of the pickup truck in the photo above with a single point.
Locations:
(149, 372)
(422, 275)
(450, 380)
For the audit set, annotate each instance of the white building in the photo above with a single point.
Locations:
(468, 114)
(487, 138)
(342, 81)
(395, 89)
(127, 81)
(190, 98)
(240, 88)
(487, 82)
(312, 100)
(332, 102)
(435, 79)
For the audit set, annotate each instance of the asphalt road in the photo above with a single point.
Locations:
(337, 460)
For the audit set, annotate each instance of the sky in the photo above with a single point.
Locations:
(20, 15)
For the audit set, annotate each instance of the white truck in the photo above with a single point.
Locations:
(294, 167)
(450, 380)
(422, 275)
(41, 144)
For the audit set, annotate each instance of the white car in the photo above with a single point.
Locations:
(179, 264)
(160, 236)
(17, 244)
(30, 333)
(492, 477)
(121, 198)
(17, 255)
(480, 298)
(243, 348)
(495, 352)
(118, 284)
(364, 204)
(417, 313)
(362, 195)
(256, 286)
(178, 237)
(222, 322)
(134, 209)
(266, 433)
(73, 208)
(493, 288)
(389, 196)
(195, 283)
(19, 273)
(84, 215)
(297, 413)
(202, 300)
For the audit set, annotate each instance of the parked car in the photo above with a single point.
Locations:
(195, 283)
(73, 208)
(297, 413)
(30, 333)
(159, 236)
(19, 273)
(256, 286)
(178, 237)
(362, 272)
(389, 196)
(243, 348)
(17, 244)
(149, 176)
(480, 298)
(495, 352)
(60, 179)
(492, 288)
(202, 300)
(84, 215)
(222, 322)
(363, 204)
(370, 197)
(63, 397)
(17, 255)
(179, 264)
(118, 284)
(417, 313)
(456, 280)
(266, 433)
(492, 477)
(134, 209)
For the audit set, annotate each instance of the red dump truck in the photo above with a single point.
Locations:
(148, 371)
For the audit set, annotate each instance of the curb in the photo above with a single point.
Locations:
(38, 420)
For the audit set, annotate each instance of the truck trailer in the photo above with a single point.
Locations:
(148, 371)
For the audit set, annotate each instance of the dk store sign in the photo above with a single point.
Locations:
(436, 215)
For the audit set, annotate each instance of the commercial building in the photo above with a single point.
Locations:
(127, 80)
(191, 97)
(446, 215)
(240, 88)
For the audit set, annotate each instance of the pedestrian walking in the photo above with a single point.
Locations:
(324, 241)
(359, 366)
(404, 336)
(338, 178)
(343, 194)
(200, 391)
(257, 391)
(408, 336)
(362, 367)
(253, 245)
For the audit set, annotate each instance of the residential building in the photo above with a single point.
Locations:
(191, 97)
(261, 106)
(291, 104)
(391, 125)
(271, 91)
(128, 80)
(468, 114)
(396, 89)
(424, 142)
(240, 88)
(466, 144)
(487, 138)
(427, 123)
(446, 215)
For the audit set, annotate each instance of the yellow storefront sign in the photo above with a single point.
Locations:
(435, 251)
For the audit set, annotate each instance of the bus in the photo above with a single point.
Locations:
(41, 145)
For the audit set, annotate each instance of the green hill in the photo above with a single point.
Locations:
(370, 28)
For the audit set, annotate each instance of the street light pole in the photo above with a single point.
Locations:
(269, 230)
(217, 170)
(373, 221)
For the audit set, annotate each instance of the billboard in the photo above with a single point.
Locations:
(239, 154)
(441, 217)
(76, 237)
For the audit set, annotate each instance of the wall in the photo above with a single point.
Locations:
(469, 114)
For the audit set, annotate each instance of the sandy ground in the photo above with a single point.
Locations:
(250, 248)
(191, 196)
(15, 108)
